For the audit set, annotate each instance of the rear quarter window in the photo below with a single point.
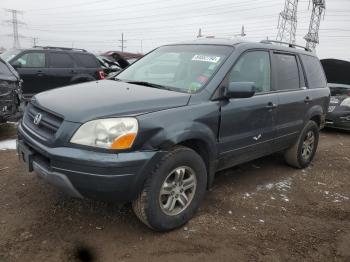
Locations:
(314, 72)
(86, 61)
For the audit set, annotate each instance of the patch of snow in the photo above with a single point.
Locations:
(8, 144)
(261, 221)
(283, 185)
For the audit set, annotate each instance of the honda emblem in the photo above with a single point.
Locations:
(37, 119)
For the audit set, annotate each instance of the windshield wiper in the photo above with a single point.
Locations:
(144, 83)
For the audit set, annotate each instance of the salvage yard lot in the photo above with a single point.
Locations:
(259, 211)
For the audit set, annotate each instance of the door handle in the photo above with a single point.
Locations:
(271, 106)
(40, 73)
(307, 99)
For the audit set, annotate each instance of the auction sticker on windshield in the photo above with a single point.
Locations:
(204, 58)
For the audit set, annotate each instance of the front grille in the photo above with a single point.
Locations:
(48, 125)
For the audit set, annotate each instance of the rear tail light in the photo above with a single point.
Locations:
(101, 74)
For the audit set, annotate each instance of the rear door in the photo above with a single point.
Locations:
(87, 66)
(61, 69)
(247, 127)
(293, 97)
(32, 68)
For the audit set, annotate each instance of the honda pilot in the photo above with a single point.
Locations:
(157, 134)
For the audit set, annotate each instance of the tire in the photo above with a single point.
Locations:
(296, 156)
(151, 206)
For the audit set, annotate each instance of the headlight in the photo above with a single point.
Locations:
(111, 133)
(346, 102)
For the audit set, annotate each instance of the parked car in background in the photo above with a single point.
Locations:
(10, 92)
(338, 115)
(45, 68)
(124, 59)
(338, 75)
(157, 139)
(109, 66)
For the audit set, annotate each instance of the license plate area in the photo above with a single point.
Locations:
(25, 155)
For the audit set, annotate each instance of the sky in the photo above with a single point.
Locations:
(97, 25)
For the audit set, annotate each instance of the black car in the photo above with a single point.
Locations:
(338, 115)
(10, 92)
(45, 68)
(157, 135)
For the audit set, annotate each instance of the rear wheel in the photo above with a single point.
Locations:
(303, 151)
(173, 191)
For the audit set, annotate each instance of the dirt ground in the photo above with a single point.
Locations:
(259, 211)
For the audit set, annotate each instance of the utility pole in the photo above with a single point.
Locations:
(287, 22)
(242, 34)
(312, 39)
(122, 43)
(199, 33)
(14, 22)
(35, 41)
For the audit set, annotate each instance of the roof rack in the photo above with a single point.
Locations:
(285, 43)
(60, 48)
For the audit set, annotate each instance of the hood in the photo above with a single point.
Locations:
(337, 71)
(107, 98)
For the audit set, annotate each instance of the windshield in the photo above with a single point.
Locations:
(8, 55)
(184, 68)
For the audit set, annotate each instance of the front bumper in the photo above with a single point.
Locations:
(339, 119)
(83, 173)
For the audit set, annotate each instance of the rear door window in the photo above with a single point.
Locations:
(86, 61)
(286, 72)
(314, 72)
(61, 60)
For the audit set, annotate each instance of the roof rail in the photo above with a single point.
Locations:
(285, 43)
(60, 48)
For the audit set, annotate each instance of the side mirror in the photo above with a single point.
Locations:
(240, 90)
(16, 65)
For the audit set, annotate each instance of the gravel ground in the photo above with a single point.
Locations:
(259, 211)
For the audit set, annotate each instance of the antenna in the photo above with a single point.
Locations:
(287, 22)
(312, 39)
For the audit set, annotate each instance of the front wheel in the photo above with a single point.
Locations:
(303, 151)
(173, 191)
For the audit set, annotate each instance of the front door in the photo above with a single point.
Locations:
(31, 66)
(247, 127)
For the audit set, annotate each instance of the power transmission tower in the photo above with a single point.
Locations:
(287, 22)
(122, 41)
(14, 22)
(312, 39)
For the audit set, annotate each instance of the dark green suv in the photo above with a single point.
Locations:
(157, 135)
